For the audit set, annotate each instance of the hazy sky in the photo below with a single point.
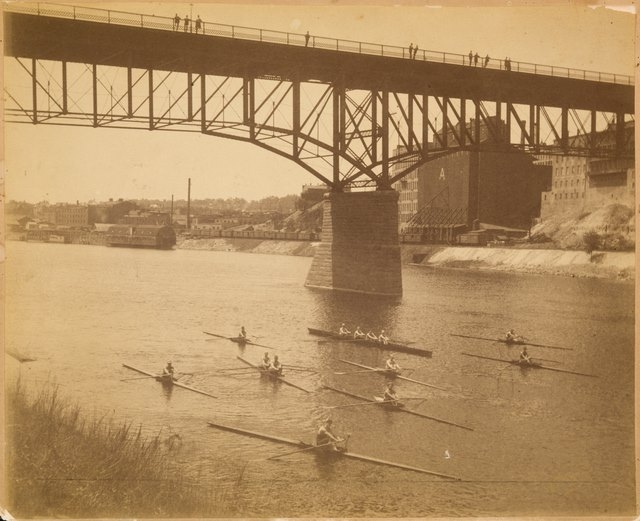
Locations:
(58, 163)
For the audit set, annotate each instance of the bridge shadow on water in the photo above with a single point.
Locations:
(370, 312)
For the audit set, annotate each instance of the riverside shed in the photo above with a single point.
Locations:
(141, 236)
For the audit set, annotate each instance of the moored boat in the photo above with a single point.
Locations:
(389, 346)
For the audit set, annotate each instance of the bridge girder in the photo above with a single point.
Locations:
(344, 132)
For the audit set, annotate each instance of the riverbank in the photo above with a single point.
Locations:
(611, 265)
(63, 464)
(572, 263)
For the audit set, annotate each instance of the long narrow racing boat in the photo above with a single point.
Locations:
(273, 375)
(518, 342)
(344, 454)
(391, 374)
(389, 346)
(529, 365)
(391, 407)
(241, 341)
(164, 380)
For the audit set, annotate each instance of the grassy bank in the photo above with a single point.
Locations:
(62, 464)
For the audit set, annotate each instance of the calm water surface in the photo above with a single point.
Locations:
(543, 442)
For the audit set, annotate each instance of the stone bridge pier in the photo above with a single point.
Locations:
(360, 249)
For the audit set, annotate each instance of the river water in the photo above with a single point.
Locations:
(543, 442)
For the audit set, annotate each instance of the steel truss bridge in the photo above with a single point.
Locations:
(350, 113)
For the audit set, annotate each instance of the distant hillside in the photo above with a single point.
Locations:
(309, 220)
(611, 227)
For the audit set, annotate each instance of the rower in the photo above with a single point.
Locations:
(382, 338)
(276, 366)
(524, 356)
(358, 334)
(168, 370)
(511, 336)
(392, 365)
(326, 438)
(343, 330)
(390, 394)
(372, 336)
(243, 334)
(266, 361)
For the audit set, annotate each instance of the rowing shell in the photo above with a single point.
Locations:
(241, 341)
(512, 342)
(391, 407)
(391, 374)
(533, 365)
(272, 375)
(165, 381)
(389, 346)
(345, 454)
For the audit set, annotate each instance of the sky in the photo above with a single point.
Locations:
(68, 164)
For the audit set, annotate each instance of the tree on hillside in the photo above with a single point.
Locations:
(592, 242)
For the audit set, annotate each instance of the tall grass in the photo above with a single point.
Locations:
(59, 463)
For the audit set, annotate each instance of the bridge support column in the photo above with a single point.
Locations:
(360, 249)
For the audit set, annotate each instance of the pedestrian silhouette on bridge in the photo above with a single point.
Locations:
(415, 51)
(411, 50)
(475, 59)
(198, 24)
(176, 22)
(306, 39)
(470, 57)
(486, 60)
(186, 23)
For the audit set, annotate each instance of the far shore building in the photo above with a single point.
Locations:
(465, 187)
(584, 183)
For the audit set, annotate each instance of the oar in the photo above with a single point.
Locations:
(356, 404)
(217, 335)
(357, 372)
(141, 377)
(299, 450)
(421, 383)
(546, 360)
(250, 343)
(287, 368)
(512, 343)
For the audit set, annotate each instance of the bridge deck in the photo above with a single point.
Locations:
(61, 39)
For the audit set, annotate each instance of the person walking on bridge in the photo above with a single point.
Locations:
(486, 60)
(176, 22)
(198, 24)
(411, 50)
(415, 51)
(186, 23)
(470, 57)
(306, 39)
(476, 57)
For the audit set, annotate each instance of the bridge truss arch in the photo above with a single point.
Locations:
(344, 124)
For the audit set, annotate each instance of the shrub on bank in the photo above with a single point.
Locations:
(61, 464)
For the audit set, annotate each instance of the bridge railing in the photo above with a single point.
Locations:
(93, 14)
